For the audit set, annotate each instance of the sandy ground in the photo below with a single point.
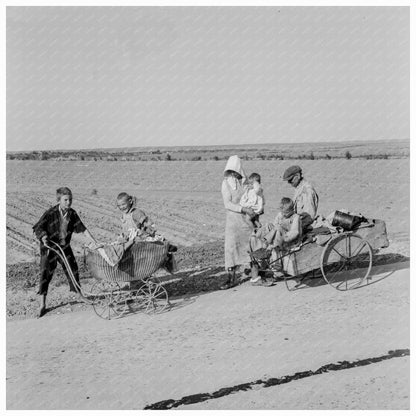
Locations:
(218, 340)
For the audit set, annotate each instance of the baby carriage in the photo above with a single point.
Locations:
(128, 286)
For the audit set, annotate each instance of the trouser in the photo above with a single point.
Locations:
(48, 263)
(262, 237)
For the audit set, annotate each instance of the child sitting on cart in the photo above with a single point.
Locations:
(285, 232)
(287, 227)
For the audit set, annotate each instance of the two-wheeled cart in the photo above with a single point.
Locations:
(342, 257)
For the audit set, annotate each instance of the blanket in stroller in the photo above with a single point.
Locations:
(139, 261)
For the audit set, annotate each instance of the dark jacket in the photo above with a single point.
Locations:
(49, 225)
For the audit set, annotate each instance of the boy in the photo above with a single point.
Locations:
(285, 232)
(287, 225)
(57, 224)
(253, 198)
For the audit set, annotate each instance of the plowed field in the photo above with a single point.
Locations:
(184, 198)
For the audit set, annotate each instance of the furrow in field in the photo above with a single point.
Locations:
(101, 222)
(37, 200)
(16, 243)
(197, 233)
(19, 247)
(181, 222)
(25, 219)
(23, 229)
(99, 205)
(19, 232)
(24, 213)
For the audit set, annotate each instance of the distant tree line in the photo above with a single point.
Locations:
(195, 155)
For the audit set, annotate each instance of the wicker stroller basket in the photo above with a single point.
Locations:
(139, 261)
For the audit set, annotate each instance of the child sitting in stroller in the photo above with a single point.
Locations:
(136, 225)
(136, 228)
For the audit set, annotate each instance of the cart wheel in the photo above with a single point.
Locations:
(153, 298)
(346, 261)
(109, 301)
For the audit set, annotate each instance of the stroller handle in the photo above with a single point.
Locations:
(58, 250)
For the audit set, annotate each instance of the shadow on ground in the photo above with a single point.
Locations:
(384, 265)
(204, 279)
(184, 287)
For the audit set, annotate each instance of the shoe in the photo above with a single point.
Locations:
(258, 283)
(225, 286)
(262, 282)
(278, 275)
(255, 279)
(42, 312)
(230, 282)
(242, 278)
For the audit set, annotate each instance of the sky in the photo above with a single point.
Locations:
(93, 77)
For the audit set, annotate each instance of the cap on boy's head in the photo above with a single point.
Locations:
(62, 191)
(291, 172)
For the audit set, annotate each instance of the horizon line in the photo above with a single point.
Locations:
(204, 145)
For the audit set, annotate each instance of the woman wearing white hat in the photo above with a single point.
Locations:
(237, 230)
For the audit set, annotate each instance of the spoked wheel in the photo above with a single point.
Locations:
(109, 301)
(346, 261)
(152, 298)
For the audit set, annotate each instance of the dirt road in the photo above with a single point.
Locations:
(219, 340)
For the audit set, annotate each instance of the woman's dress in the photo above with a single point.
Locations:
(237, 230)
